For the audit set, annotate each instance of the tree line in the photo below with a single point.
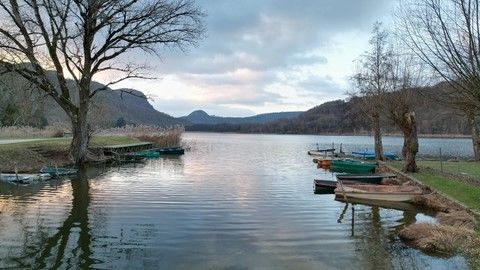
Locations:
(431, 41)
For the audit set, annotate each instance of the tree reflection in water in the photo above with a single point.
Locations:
(75, 227)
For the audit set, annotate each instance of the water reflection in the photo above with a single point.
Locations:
(235, 202)
(73, 238)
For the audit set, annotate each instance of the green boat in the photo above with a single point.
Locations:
(171, 151)
(146, 154)
(352, 166)
(56, 171)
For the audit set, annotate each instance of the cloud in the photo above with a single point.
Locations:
(269, 53)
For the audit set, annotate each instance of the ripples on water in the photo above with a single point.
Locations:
(233, 202)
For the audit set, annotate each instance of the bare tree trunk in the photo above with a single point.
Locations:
(472, 123)
(79, 146)
(377, 135)
(410, 142)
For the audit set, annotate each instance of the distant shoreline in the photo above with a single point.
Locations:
(427, 136)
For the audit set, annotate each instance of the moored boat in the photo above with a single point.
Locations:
(378, 192)
(352, 166)
(324, 186)
(56, 171)
(145, 154)
(171, 151)
(363, 178)
(24, 178)
(321, 152)
(370, 154)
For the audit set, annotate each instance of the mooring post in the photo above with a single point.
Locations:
(16, 173)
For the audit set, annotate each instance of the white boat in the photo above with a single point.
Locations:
(321, 152)
(378, 192)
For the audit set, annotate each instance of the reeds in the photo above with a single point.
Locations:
(31, 132)
(160, 137)
(438, 238)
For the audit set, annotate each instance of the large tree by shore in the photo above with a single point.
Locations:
(79, 39)
(445, 34)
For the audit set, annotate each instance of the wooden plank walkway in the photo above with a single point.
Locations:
(125, 148)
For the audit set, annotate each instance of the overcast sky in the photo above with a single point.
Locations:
(264, 56)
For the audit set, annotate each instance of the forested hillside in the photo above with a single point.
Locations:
(201, 117)
(346, 117)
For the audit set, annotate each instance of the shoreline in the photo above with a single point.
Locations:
(426, 136)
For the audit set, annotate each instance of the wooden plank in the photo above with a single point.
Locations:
(109, 147)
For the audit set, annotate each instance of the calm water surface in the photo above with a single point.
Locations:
(232, 202)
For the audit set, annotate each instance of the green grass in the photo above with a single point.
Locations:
(461, 167)
(462, 192)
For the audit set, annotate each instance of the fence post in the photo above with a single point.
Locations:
(441, 160)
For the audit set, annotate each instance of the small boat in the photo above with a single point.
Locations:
(145, 154)
(24, 178)
(364, 178)
(56, 171)
(321, 152)
(324, 162)
(171, 151)
(370, 154)
(324, 186)
(378, 192)
(402, 206)
(352, 166)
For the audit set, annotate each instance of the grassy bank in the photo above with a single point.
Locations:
(466, 193)
(468, 168)
(454, 237)
(31, 156)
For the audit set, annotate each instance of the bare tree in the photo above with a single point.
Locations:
(445, 34)
(371, 81)
(403, 80)
(78, 39)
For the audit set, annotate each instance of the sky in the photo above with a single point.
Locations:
(261, 56)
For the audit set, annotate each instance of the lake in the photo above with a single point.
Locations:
(233, 201)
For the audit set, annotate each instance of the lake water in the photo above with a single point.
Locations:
(232, 202)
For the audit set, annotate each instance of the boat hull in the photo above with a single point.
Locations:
(367, 179)
(171, 151)
(352, 166)
(324, 186)
(58, 171)
(378, 192)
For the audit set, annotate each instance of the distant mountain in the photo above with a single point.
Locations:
(105, 109)
(200, 117)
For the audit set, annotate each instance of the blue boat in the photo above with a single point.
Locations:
(370, 154)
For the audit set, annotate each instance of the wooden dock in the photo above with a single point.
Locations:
(124, 148)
